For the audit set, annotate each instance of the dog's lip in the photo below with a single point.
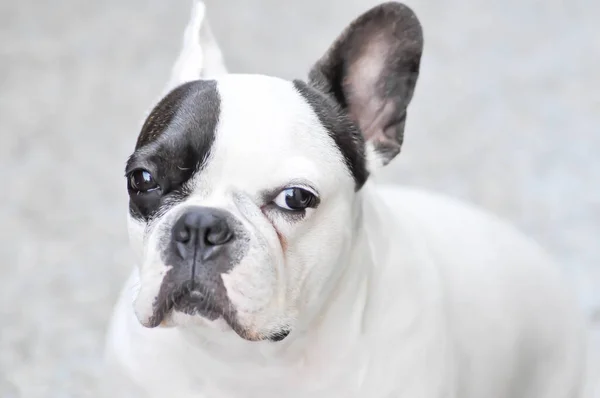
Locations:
(161, 310)
(211, 313)
(163, 307)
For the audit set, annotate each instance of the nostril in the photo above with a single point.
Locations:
(183, 231)
(182, 235)
(219, 234)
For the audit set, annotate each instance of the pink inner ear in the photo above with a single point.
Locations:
(371, 71)
(363, 88)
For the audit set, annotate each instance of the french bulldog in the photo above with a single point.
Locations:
(271, 264)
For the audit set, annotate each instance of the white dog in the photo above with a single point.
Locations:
(271, 265)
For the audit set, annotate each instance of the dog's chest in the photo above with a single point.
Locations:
(373, 370)
(188, 372)
(313, 376)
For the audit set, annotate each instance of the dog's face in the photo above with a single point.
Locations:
(243, 189)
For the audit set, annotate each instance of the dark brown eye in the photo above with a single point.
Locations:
(296, 199)
(141, 181)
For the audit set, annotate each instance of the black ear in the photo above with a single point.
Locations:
(371, 71)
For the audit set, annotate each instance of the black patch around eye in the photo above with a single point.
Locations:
(143, 206)
(173, 145)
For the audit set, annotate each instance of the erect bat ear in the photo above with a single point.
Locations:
(200, 56)
(371, 71)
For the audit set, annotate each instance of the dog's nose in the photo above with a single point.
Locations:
(201, 231)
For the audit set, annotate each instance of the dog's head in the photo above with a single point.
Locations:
(242, 189)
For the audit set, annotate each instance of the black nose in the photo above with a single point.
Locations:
(201, 231)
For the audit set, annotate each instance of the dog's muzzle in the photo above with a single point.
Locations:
(204, 243)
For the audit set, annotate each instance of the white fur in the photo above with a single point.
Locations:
(439, 297)
(391, 292)
(200, 55)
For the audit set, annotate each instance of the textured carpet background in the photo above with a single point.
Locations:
(506, 114)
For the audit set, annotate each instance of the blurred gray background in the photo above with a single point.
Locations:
(506, 114)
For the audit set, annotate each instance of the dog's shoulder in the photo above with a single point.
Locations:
(466, 237)
(487, 262)
(457, 220)
(498, 285)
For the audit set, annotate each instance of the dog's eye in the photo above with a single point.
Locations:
(296, 199)
(141, 181)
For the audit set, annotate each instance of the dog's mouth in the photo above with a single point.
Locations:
(195, 303)
(192, 301)
(188, 300)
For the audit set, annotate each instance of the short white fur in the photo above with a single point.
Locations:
(419, 297)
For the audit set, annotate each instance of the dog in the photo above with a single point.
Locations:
(271, 263)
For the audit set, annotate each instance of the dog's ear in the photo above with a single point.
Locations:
(371, 71)
(200, 56)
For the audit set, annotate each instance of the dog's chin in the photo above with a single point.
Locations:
(176, 318)
(192, 309)
(184, 302)
(180, 319)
